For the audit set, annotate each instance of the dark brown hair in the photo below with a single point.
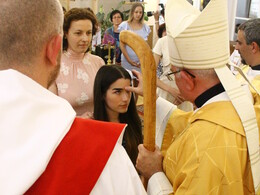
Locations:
(116, 12)
(161, 29)
(76, 14)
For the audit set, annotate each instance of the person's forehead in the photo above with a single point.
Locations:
(241, 35)
(84, 23)
(138, 8)
(120, 83)
(116, 14)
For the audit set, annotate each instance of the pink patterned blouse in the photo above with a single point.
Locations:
(76, 79)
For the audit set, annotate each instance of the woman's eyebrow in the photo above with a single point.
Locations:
(117, 88)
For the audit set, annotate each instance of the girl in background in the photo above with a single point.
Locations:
(135, 23)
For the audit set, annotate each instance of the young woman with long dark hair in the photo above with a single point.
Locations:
(114, 104)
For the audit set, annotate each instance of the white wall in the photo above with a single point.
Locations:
(151, 5)
(108, 4)
(93, 4)
(81, 3)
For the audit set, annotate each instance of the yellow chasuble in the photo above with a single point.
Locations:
(256, 83)
(256, 98)
(210, 155)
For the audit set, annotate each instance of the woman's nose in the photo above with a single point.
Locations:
(125, 96)
(85, 37)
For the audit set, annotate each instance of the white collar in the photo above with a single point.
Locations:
(220, 97)
(224, 97)
(252, 73)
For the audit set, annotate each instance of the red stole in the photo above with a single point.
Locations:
(78, 161)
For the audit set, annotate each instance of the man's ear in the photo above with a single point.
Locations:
(255, 47)
(188, 80)
(53, 48)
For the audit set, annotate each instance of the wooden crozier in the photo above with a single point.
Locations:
(148, 67)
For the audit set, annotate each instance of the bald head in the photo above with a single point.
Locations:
(25, 27)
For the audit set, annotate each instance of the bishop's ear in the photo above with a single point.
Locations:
(188, 80)
(53, 49)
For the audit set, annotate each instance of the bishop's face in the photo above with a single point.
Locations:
(178, 80)
(184, 80)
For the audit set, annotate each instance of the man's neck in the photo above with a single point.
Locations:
(255, 61)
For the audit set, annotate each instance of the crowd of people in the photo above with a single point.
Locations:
(77, 129)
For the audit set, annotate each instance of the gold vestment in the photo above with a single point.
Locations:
(210, 155)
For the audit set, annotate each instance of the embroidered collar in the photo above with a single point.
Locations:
(73, 55)
(205, 96)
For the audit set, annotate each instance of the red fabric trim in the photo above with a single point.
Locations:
(79, 159)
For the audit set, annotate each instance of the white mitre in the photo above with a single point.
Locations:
(199, 40)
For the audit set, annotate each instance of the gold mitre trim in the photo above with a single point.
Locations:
(197, 40)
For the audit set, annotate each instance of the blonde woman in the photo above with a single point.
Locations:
(135, 23)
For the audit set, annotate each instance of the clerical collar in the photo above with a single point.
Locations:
(205, 96)
(257, 67)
